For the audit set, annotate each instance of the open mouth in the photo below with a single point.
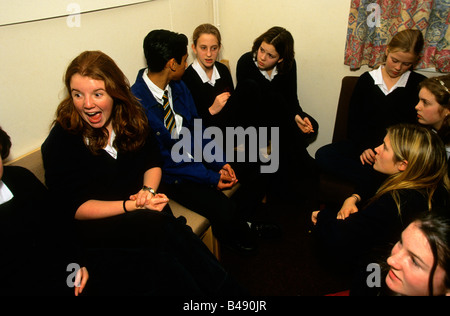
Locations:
(94, 117)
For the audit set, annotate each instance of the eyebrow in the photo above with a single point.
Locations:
(99, 89)
(412, 254)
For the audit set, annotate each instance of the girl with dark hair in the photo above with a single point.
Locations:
(417, 265)
(100, 114)
(270, 68)
(420, 262)
(433, 108)
(266, 94)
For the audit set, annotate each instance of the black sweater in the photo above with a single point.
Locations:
(371, 111)
(36, 247)
(275, 101)
(376, 226)
(74, 175)
(204, 95)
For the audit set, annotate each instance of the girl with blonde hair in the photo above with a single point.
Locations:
(414, 160)
(267, 96)
(209, 80)
(381, 98)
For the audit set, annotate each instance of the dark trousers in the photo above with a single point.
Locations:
(342, 159)
(150, 253)
(223, 213)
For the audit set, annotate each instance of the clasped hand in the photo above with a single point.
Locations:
(304, 124)
(227, 178)
(145, 199)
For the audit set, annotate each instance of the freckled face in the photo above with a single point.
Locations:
(91, 100)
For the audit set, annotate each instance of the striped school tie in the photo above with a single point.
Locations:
(169, 117)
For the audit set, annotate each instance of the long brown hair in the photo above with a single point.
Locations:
(283, 42)
(440, 88)
(128, 118)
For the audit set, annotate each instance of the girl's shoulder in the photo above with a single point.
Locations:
(415, 78)
(189, 72)
(222, 68)
(246, 58)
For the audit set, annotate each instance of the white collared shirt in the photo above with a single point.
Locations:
(5, 193)
(158, 94)
(110, 148)
(266, 74)
(377, 76)
(202, 73)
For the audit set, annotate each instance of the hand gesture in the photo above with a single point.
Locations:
(157, 203)
(368, 156)
(219, 103)
(227, 177)
(304, 124)
(145, 199)
(314, 217)
(142, 198)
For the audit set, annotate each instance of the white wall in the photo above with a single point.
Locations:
(34, 57)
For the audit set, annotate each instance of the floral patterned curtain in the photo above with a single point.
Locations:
(372, 24)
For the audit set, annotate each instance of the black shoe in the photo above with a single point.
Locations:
(266, 230)
(245, 247)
